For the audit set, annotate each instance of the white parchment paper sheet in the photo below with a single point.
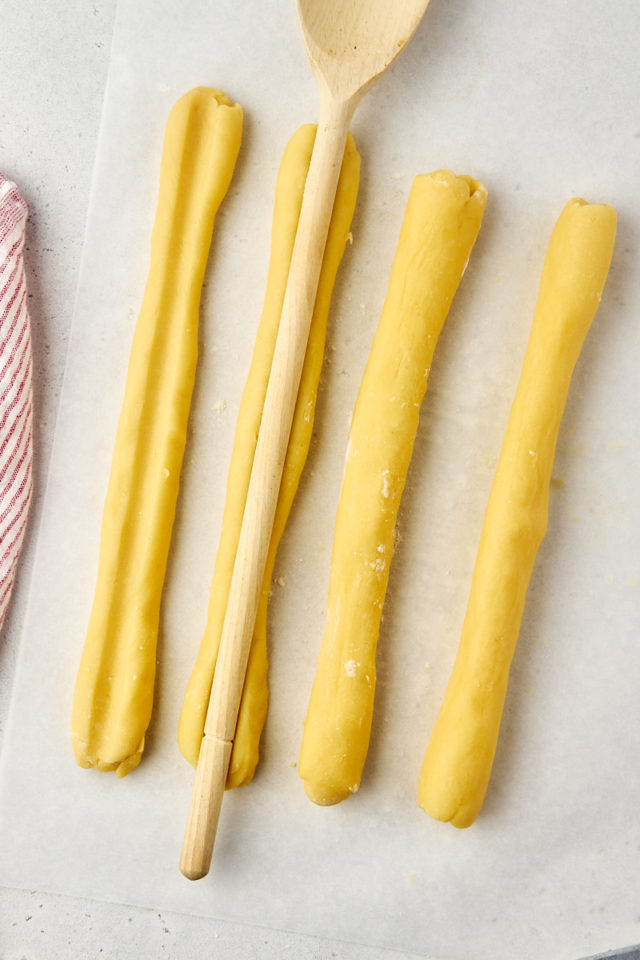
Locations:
(539, 102)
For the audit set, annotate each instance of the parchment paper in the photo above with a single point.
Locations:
(538, 101)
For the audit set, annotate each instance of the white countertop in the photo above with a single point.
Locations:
(53, 70)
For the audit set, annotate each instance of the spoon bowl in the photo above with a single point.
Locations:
(351, 45)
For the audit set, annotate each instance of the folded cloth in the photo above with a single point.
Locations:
(16, 407)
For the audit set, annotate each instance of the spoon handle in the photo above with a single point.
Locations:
(264, 485)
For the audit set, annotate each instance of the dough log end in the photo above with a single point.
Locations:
(451, 787)
(326, 794)
(437, 809)
(88, 760)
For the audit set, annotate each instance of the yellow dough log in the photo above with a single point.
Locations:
(114, 688)
(288, 200)
(457, 765)
(440, 226)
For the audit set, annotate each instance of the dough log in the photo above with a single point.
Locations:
(442, 219)
(288, 200)
(459, 757)
(114, 687)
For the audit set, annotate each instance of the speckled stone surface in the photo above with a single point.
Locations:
(53, 69)
(52, 74)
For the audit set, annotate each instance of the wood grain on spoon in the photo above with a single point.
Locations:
(349, 47)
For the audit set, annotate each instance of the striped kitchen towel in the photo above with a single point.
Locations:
(16, 408)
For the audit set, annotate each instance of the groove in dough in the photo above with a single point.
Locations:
(114, 688)
(288, 200)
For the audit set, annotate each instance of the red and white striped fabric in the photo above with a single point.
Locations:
(16, 407)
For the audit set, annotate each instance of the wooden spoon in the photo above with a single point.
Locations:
(349, 45)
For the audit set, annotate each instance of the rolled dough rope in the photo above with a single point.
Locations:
(457, 765)
(440, 226)
(114, 688)
(288, 200)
